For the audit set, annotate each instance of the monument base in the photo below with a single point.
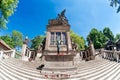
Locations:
(55, 62)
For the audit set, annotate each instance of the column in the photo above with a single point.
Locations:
(47, 40)
(1, 55)
(13, 53)
(81, 54)
(92, 50)
(104, 55)
(108, 55)
(62, 38)
(24, 49)
(54, 38)
(29, 54)
(112, 56)
(117, 56)
(69, 41)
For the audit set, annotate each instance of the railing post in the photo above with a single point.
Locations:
(1, 55)
(13, 53)
(117, 56)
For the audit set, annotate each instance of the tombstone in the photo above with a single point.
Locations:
(58, 48)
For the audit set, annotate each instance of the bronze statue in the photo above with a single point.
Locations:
(61, 16)
(58, 43)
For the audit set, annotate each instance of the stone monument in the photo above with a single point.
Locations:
(58, 48)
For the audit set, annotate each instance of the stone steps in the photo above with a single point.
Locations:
(18, 62)
(16, 74)
(99, 69)
(107, 71)
(25, 71)
(20, 66)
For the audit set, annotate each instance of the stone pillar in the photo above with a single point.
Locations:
(69, 41)
(54, 38)
(114, 55)
(104, 55)
(81, 54)
(107, 55)
(61, 38)
(1, 55)
(13, 53)
(92, 49)
(29, 54)
(24, 47)
(47, 40)
(117, 57)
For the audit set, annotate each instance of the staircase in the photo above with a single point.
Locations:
(98, 69)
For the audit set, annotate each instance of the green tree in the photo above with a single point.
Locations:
(8, 40)
(115, 3)
(7, 8)
(108, 33)
(117, 37)
(97, 38)
(17, 38)
(36, 42)
(78, 39)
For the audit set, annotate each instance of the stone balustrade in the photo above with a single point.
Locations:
(111, 55)
(7, 53)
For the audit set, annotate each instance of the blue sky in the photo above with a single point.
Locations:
(32, 16)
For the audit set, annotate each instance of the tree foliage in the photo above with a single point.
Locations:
(36, 42)
(7, 8)
(97, 37)
(17, 38)
(115, 3)
(78, 39)
(108, 33)
(8, 40)
(117, 37)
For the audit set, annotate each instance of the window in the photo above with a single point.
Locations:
(64, 38)
(58, 35)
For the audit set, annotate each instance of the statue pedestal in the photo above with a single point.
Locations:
(61, 62)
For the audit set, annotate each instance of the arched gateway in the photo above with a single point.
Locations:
(58, 48)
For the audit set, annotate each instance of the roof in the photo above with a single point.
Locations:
(4, 45)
